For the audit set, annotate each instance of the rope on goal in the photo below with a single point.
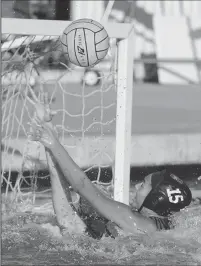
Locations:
(22, 56)
(17, 89)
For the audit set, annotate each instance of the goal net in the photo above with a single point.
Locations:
(93, 122)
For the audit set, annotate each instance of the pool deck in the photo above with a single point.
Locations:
(166, 129)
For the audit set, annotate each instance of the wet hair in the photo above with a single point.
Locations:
(169, 194)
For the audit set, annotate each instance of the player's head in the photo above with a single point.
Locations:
(163, 192)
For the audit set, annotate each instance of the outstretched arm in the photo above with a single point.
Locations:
(116, 212)
(61, 195)
(62, 200)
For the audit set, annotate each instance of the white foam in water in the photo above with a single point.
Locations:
(33, 238)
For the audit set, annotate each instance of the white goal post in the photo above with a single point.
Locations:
(124, 34)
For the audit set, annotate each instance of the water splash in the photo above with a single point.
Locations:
(33, 235)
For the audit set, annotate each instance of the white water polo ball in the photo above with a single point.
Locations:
(85, 42)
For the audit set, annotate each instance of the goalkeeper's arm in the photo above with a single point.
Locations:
(116, 212)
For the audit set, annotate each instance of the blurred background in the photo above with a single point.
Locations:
(166, 122)
(177, 60)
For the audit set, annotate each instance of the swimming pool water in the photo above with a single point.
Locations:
(30, 236)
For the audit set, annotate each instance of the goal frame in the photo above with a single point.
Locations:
(124, 85)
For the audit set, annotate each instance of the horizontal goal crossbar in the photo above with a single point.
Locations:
(56, 27)
(168, 61)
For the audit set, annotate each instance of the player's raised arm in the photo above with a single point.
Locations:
(116, 212)
(61, 196)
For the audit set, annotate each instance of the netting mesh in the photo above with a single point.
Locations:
(85, 118)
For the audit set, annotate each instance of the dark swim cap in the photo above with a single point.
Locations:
(169, 194)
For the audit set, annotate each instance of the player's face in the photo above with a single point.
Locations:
(142, 190)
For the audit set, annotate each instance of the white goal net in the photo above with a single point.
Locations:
(87, 116)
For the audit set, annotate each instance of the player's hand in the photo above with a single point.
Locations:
(42, 132)
(42, 108)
